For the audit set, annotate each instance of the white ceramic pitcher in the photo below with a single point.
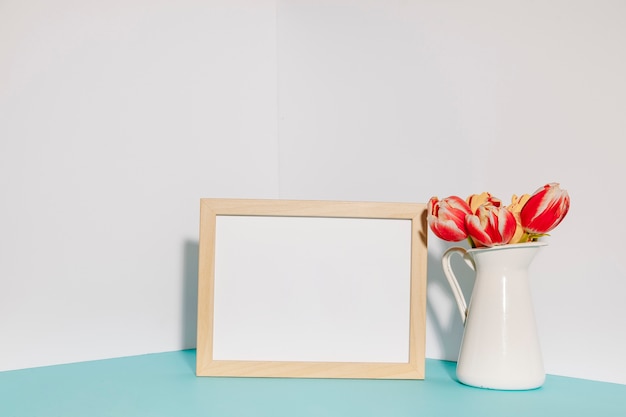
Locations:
(500, 347)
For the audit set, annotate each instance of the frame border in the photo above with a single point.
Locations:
(212, 207)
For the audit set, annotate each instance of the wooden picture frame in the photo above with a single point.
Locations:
(338, 290)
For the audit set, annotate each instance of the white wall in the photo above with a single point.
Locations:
(116, 117)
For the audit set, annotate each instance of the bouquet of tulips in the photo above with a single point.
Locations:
(485, 222)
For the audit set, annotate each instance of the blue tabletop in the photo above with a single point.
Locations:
(165, 384)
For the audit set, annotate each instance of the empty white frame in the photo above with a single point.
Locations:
(311, 289)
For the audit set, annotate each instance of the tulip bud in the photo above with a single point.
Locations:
(477, 200)
(545, 209)
(491, 225)
(517, 203)
(446, 218)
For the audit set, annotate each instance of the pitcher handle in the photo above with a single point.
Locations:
(452, 280)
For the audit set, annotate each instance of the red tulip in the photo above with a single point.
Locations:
(545, 209)
(491, 225)
(446, 218)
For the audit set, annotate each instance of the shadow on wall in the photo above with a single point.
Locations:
(190, 294)
(448, 330)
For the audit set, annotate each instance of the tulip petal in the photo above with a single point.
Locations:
(446, 218)
(545, 209)
(477, 200)
(491, 225)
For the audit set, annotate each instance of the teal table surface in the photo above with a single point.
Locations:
(165, 384)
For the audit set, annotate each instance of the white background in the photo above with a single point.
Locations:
(312, 289)
(116, 117)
